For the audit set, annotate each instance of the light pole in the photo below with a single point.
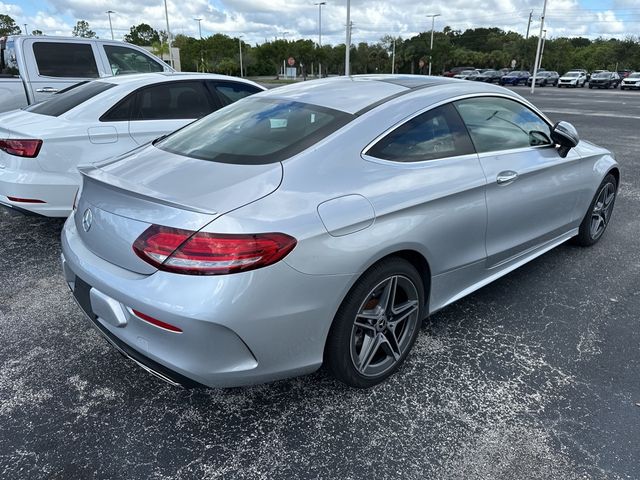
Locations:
(240, 48)
(25, 29)
(166, 16)
(347, 51)
(199, 20)
(535, 65)
(320, 4)
(544, 38)
(109, 12)
(433, 22)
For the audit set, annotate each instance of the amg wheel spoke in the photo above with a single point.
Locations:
(388, 294)
(363, 323)
(369, 350)
(401, 312)
(390, 344)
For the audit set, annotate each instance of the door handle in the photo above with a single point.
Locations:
(47, 90)
(506, 177)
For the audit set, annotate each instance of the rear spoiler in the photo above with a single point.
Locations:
(98, 175)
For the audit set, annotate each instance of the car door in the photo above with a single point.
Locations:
(532, 192)
(57, 65)
(164, 107)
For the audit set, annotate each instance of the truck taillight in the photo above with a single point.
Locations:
(21, 148)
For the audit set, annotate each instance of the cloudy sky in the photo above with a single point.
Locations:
(258, 20)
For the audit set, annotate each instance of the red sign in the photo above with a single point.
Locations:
(291, 61)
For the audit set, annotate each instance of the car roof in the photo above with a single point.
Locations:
(360, 93)
(139, 79)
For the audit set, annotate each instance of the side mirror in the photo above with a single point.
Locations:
(565, 135)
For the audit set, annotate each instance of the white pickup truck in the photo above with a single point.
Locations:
(32, 68)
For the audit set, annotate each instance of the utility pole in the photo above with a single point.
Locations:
(393, 58)
(166, 16)
(347, 43)
(535, 65)
(25, 29)
(433, 22)
(319, 4)
(528, 25)
(109, 12)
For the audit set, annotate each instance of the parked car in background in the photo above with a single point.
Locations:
(42, 145)
(456, 70)
(545, 78)
(604, 80)
(624, 73)
(517, 77)
(632, 82)
(489, 76)
(467, 75)
(573, 79)
(309, 225)
(32, 68)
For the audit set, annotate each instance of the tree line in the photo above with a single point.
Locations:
(475, 47)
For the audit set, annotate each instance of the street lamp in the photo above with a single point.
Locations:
(544, 39)
(109, 12)
(347, 50)
(535, 65)
(240, 48)
(166, 16)
(320, 4)
(25, 29)
(433, 22)
(200, 34)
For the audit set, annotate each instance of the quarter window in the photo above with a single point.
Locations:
(69, 60)
(501, 124)
(173, 101)
(437, 133)
(230, 92)
(123, 60)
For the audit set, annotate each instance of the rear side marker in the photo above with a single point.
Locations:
(26, 200)
(156, 322)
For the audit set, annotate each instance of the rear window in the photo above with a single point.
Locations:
(255, 131)
(70, 60)
(8, 60)
(69, 98)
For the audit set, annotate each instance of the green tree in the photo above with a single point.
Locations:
(8, 26)
(82, 30)
(143, 35)
(37, 32)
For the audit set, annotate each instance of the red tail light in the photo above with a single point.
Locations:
(202, 253)
(21, 148)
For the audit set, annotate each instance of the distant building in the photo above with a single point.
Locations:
(165, 56)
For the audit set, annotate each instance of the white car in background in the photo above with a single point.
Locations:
(42, 145)
(575, 78)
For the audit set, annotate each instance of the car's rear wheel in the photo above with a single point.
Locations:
(597, 219)
(376, 325)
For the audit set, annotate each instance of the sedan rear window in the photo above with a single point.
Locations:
(69, 98)
(255, 131)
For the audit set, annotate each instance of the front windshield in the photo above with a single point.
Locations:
(634, 75)
(255, 131)
(572, 74)
(602, 75)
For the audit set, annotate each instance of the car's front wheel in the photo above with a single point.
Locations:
(597, 219)
(377, 324)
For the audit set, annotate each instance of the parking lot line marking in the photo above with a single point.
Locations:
(592, 114)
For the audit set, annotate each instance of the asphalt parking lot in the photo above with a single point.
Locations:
(533, 376)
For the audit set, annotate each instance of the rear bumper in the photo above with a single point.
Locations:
(237, 329)
(54, 190)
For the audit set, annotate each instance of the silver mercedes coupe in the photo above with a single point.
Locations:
(321, 222)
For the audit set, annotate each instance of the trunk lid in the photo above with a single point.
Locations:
(150, 186)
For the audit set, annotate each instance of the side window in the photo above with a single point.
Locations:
(437, 133)
(123, 60)
(121, 111)
(230, 92)
(175, 100)
(71, 60)
(501, 124)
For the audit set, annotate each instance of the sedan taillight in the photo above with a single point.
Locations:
(21, 148)
(202, 253)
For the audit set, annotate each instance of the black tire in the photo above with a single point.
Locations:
(341, 351)
(587, 234)
(590, 86)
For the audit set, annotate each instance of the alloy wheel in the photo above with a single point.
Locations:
(384, 326)
(602, 209)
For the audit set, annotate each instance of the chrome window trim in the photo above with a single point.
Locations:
(365, 156)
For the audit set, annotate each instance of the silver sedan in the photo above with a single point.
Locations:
(319, 223)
